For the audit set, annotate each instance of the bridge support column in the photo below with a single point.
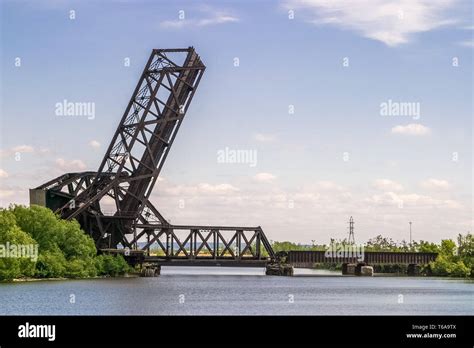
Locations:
(367, 271)
(362, 269)
(348, 268)
(151, 271)
(279, 269)
(413, 269)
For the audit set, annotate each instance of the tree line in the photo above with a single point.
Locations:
(64, 250)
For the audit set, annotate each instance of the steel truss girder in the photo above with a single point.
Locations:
(139, 148)
(206, 242)
(148, 125)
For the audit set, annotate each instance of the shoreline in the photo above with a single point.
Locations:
(307, 275)
(32, 280)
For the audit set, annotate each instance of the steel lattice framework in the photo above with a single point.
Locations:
(132, 164)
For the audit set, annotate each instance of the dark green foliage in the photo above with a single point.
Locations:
(11, 268)
(455, 261)
(332, 266)
(390, 268)
(64, 249)
(51, 264)
(111, 265)
(287, 246)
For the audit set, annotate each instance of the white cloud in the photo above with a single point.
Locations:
(218, 18)
(43, 150)
(411, 129)
(264, 138)
(3, 174)
(199, 189)
(107, 204)
(385, 198)
(220, 189)
(23, 149)
(326, 185)
(392, 22)
(70, 166)
(94, 143)
(20, 149)
(466, 43)
(327, 204)
(412, 200)
(435, 184)
(211, 17)
(264, 177)
(387, 185)
(174, 24)
(7, 193)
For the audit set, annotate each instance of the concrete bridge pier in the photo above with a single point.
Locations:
(358, 268)
(362, 269)
(279, 265)
(279, 269)
(413, 269)
(348, 268)
(151, 271)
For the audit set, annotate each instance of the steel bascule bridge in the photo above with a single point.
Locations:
(129, 170)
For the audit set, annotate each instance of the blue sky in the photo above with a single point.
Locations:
(334, 157)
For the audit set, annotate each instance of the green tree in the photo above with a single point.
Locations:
(111, 265)
(380, 243)
(454, 260)
(11, 234)
(448, 248)
(51, 264)
(459, 269)
(65, 250)
(426, 247)
(41, 224)
(441, 266)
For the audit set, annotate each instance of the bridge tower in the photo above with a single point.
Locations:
(112, 204)
(351, 239)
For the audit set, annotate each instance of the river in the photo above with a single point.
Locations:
(240, 291)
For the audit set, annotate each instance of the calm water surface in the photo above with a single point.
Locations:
(241, 291)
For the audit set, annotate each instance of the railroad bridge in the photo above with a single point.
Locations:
(307, 259)
(245, 249)
(112, 204)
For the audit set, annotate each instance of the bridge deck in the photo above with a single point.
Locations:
(205, 262)
(309, 258)
(302, 259)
